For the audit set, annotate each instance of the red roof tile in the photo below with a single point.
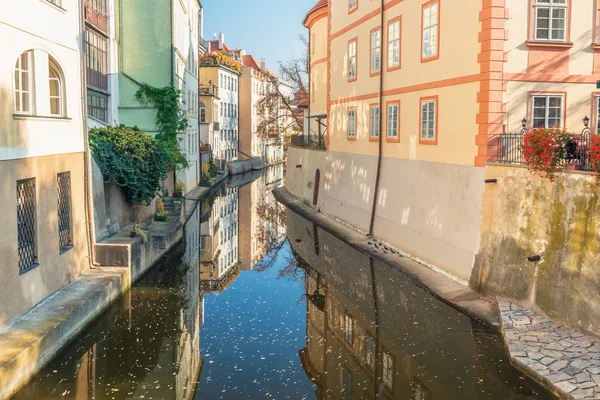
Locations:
(320, 4)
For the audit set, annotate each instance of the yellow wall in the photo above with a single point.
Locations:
(454, 77)
(18, 293)
(318, 71)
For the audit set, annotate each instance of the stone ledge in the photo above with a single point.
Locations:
(35, 338)
(563, 360)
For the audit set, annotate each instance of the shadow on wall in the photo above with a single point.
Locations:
(525, 216)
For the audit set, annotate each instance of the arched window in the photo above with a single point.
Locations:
(57, 97)
(202, 112)
(23, 84)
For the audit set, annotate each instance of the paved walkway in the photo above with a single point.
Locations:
(561, 358)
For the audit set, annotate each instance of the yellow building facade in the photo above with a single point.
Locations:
(413, 94)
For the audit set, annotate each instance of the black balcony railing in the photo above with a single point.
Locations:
(507, 148)
(309, 141)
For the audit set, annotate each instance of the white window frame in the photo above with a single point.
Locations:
(431, 122)
(376, 51)
(393, 113)
(352, 62)
(551, 6)
(387, 375)
(547, 108)
(18, 92)
(352, 5)
(375, 116)
(394, 44)
(351, 123)
(431, 30)
(60, 97)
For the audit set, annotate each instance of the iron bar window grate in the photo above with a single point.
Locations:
(27, 248)
(64, 211)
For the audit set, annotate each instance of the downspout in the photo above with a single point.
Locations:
(378, 174)
(171, 6)
(88, 188)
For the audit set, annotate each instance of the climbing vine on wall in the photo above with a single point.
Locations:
(169, 120)
(131, 159)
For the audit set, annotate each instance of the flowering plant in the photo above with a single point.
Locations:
(594, 154)
(544, 150)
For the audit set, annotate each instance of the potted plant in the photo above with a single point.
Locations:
(161, 214)
(136, 230)
(545, 150)
(179, 189)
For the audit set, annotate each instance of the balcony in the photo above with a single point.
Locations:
(508, 149)
(209, 90)
(314, 142)
(97, 79)
(96, 19)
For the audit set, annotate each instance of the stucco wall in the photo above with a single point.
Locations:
(524, 216)
(410, 215)
(18, 293)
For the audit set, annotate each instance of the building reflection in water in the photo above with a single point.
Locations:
(372, 334)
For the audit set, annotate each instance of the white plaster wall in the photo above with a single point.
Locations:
(581, 60)
(48, 30)
(431, 211)
(518, 27)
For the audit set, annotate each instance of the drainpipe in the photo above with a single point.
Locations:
(87, 168)
(172, 22)
(378, 174)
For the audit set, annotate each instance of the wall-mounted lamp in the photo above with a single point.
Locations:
(524, 123)
(586, 121)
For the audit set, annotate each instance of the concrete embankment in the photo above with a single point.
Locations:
(35, 338)
(442, 287)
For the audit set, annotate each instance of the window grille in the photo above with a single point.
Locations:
(65, 237)
(26, 225)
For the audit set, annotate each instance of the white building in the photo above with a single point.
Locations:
(44, 242)
(187, 22)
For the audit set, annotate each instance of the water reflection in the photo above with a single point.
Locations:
(372, 334)
(291, 313)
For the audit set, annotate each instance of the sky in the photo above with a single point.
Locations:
(264, 28)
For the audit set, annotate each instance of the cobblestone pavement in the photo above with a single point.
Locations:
(558, 357)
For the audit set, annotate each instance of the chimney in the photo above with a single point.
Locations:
(221, 40)
(242, 53)
(263, 64)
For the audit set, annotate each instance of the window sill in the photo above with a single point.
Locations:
(41, 117)
(596, 46)
(98, 120)
(63, 251)
(31, 267)
(55, 6)
(548, 44)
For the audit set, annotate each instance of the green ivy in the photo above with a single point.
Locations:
(168, 120)
(131, 159)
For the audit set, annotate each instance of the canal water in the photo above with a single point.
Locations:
(259, 303)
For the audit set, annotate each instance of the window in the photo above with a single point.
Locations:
(352, 123)
(56, 90)
(96, 59)
(23, 84)
(352, 5)
(388, 370)
(55, 2)
(202, 112)
(392, 120)
(26, 222)
(97, 5)
(347, 384)
(394, 45)
(375, 51)
(429, 120)
(547, 111)
(370, 352)
(312, 44)
(421, 392)
(429, 39)
(97, 106)
(348, 329)
(550, 20)
(374, 123)
(352, 60)
(65, 237)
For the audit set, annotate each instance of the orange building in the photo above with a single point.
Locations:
(409, 95)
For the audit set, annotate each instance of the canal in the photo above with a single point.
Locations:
(259, 303)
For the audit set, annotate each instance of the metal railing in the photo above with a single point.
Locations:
(309, 141)
(507, 148)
